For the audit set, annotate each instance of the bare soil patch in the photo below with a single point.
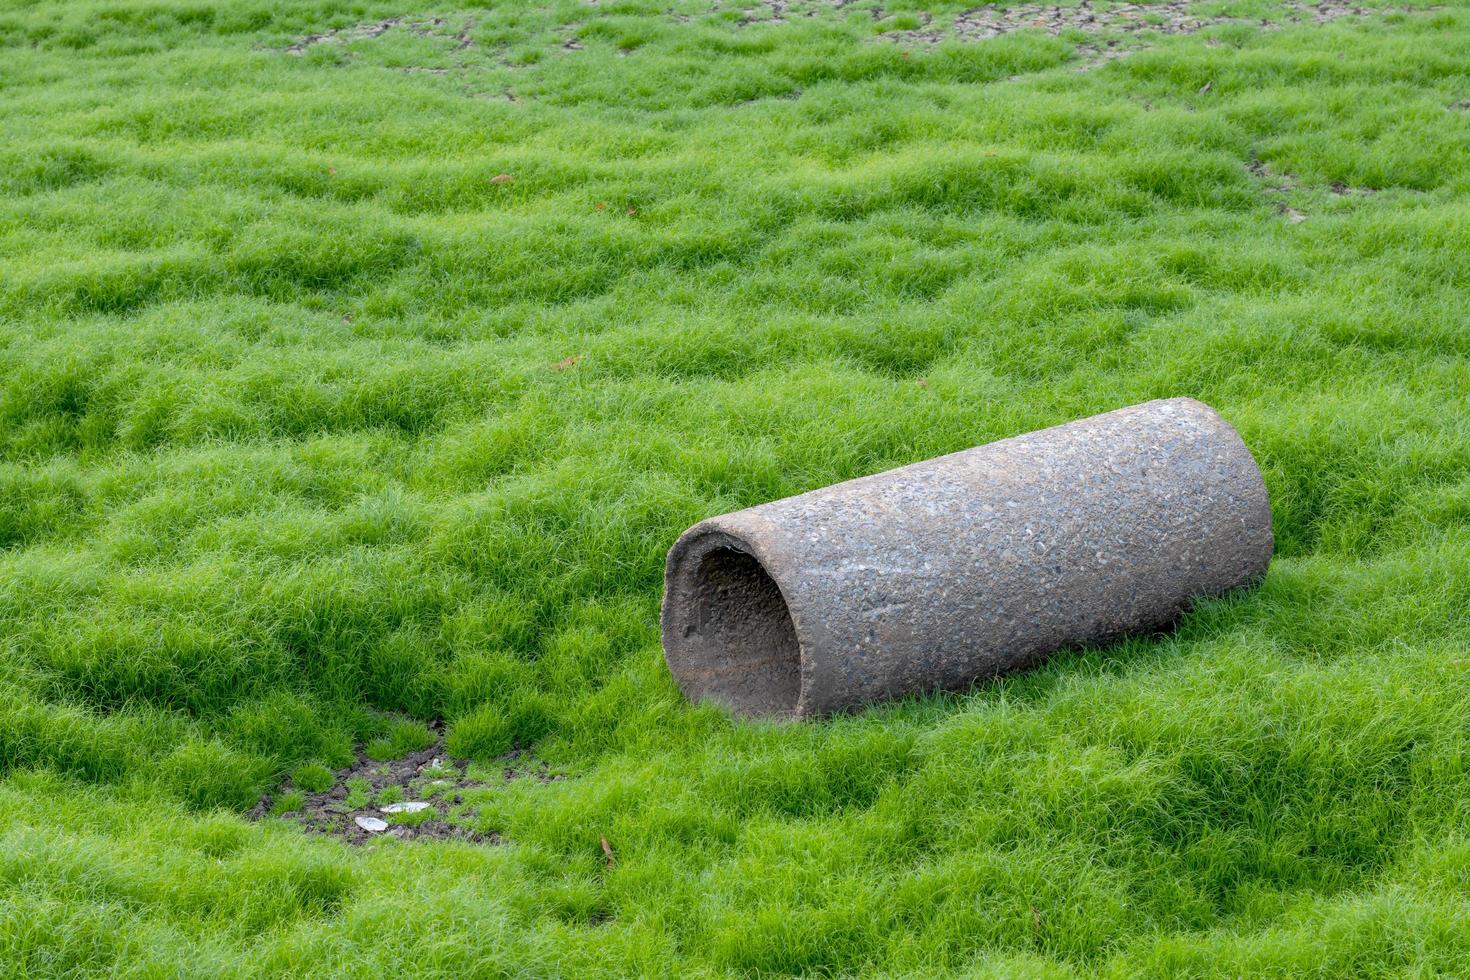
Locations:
(420, 795)
(1113, 23)
(424, 27)
(1167, 17)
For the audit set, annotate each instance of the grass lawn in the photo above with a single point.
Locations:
(359, 362)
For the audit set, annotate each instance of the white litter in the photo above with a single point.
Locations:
(371, 824)
(413, 806)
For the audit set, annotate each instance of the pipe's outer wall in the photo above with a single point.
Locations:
(933, 575)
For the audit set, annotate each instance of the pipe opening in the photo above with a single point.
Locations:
(740, 635)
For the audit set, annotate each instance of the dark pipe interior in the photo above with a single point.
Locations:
(740, 632)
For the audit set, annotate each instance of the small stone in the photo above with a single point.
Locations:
(412, 806)
(371, 824)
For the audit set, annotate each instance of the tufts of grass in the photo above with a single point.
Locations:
(359, 363)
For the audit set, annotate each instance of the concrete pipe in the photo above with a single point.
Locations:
(935, 575)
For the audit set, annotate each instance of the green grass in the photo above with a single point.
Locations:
(308, 425)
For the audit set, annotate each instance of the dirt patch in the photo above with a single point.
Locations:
(1275, 183)
(420, 795)
(458, 52)
(434, 27)
(342, 35)
(1173, 17)
(1325, 11)
(1115, 28)
(1168, 17)
(780, 11)
(1277, 186)
(1280, 186)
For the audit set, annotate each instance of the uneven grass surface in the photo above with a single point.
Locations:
(307, 422)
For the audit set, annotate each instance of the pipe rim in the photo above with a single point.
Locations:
(747, 679)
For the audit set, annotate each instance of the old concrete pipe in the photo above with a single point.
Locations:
(934, 575)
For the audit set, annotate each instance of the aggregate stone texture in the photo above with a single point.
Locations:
(938, 574)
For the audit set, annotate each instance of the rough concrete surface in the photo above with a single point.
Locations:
(934, 575)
